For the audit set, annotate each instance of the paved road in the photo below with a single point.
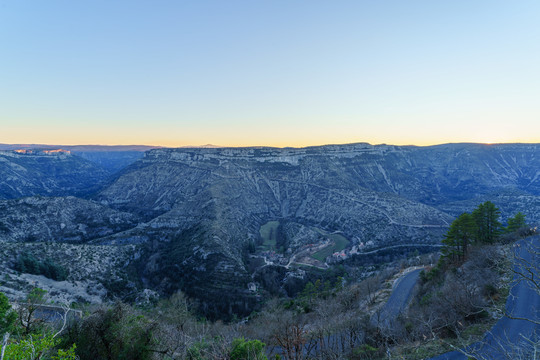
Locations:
(401, 294)
(508, 335)
(398, 301)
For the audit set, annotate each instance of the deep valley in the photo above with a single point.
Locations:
(231, 227)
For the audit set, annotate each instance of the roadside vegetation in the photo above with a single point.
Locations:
(464, 293)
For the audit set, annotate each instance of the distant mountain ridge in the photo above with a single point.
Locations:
(47, 174)
(88, 168)
(82, 148)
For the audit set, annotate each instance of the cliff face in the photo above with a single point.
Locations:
(344, 190)
(47, 173)
(205, 204)
(192, 214)
(390, 184)
(432, 175)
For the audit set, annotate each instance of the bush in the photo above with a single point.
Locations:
(433, 273)
(197, 350)
(365, 352)
(27, 263)
(7, 316)
(490, 290)
(247, 350)
(119, 332)
(37, 348)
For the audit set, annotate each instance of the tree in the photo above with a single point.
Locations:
(515, 223)
(7, 322)
(461, 233)
(119, 332)
(281, 238)
(7, 316)
(247, 350)
(30, 341)
(286, 331)
(486, 216)
(38, 347)
(27, 319)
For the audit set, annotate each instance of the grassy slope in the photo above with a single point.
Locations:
(339, 242)
(268, 233)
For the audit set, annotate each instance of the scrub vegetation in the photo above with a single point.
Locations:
(334, 316)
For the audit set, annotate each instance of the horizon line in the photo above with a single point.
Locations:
(27, 145)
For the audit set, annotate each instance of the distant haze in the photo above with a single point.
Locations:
(78, 147)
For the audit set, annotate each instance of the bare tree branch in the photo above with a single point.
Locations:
(4, 345)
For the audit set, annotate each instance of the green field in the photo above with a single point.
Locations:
(340, 243)
(268, 234)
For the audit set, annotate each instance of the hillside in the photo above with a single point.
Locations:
(215, 220)
(47, 173)
(200, 202)
(59, 219)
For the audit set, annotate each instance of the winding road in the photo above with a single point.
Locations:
(398, 301)
(508, 339)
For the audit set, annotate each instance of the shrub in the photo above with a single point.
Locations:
(119, 332)
(7, 316)
(27, 263)
(365, 352)
(247, 350)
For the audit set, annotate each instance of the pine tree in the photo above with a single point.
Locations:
(515, 223)
(461, 233)
(486, 216)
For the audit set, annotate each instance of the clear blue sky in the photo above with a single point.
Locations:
(269, 72)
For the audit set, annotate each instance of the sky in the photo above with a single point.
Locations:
(273, 73)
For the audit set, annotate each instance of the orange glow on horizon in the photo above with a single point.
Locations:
(251, 143)
(249, 137)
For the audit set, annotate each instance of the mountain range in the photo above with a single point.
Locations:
(215, 222)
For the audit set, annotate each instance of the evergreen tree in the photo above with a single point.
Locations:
(461, 233)
(7, 316)
(487, 216)
(515, 223)
(281, 238)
